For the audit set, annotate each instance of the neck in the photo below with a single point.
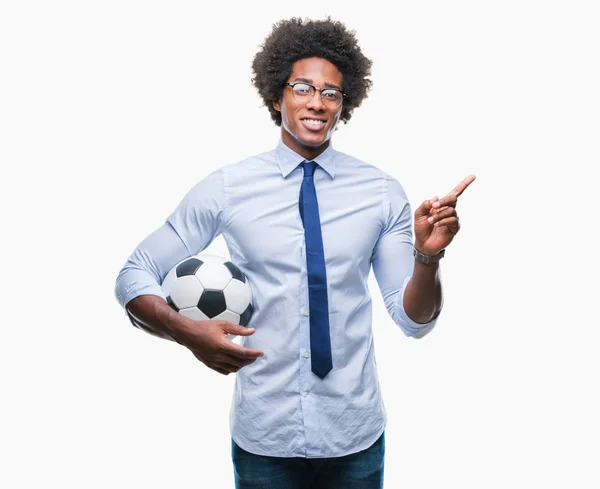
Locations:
(307, 152)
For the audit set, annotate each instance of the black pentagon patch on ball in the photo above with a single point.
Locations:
(188, 267)
(246, 315)
(172, 304)
(235, 271)
(212, 303)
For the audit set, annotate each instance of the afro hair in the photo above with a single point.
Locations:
(295, 39)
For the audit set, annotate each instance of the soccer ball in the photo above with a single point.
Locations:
(204, 287)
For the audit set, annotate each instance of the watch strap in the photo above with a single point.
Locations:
(428, 259)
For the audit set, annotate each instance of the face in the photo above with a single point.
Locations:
(307, 128)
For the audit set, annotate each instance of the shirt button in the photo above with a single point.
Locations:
(305, 394)
(306, 313)
(306, 355)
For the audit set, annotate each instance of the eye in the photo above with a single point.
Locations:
(301, 88)
(331, 94)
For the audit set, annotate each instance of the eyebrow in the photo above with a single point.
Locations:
(308, 80)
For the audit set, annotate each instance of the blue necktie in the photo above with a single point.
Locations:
(320, 344)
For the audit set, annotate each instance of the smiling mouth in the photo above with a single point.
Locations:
(313, 124)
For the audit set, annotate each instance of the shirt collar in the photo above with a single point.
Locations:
(288, 160)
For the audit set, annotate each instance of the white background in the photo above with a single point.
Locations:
(110, 111)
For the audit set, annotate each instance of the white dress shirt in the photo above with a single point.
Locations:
(279, 406)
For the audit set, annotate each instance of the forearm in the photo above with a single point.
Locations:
(423, 294)
(155, 316)
(138, 287)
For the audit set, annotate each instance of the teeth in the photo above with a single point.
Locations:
(314, 122)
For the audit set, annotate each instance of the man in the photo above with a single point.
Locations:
(305, 223)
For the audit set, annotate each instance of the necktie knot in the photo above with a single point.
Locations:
(309, 168)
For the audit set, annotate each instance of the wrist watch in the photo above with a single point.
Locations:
(427, 259)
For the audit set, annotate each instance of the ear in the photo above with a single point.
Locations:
(277, 105)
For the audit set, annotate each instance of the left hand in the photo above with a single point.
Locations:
(436, 220)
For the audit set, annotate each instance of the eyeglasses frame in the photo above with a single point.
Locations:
(320, 90)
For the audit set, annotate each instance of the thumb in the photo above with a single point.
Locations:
(237, 329)
(425, 207)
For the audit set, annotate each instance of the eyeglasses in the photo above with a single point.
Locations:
(303, 93)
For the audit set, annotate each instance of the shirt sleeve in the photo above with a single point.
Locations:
(199, 218)
(393, 260)
(193, 225)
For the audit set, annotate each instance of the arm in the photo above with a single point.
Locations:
(207, 340)
(436, 224)
(195, 223)
(137, 286)
(411, 291)
(192, 227)
(153, 315)
(423, 295)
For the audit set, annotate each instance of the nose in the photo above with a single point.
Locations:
(316, 103)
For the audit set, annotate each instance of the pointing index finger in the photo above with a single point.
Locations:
(460, 188)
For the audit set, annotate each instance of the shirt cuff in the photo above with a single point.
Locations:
(135, 291)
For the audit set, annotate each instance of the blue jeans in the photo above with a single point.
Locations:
(361, 470)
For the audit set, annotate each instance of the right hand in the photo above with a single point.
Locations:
(209, 343)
